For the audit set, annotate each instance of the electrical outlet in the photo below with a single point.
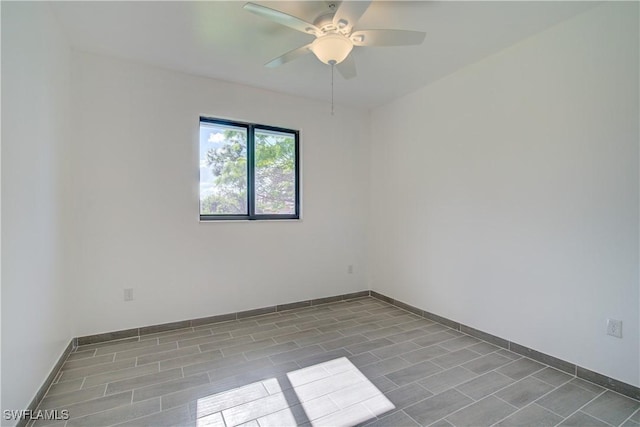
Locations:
(128, 294)
(350, 269)
(614, 328)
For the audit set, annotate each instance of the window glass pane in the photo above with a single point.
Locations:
(223, 169)
(275, 176)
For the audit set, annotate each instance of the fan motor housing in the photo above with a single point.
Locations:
(325, 22)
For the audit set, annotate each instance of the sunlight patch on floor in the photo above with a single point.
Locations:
(332, 393)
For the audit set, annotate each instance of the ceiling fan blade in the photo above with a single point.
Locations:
(282, 18)
(289, 56)
(387, 37)
(348, 14)
(347, 68)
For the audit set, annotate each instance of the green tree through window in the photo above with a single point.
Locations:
(248, 171)
(275, 173)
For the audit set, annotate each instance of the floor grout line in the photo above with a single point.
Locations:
(629, 417)
(498, 397)
(586, 404)
(511, 414)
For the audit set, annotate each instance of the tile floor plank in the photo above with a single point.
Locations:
(219, 344)
(520, 368)
(397, 419)
(229, 399)
(73, 374)
(532, 415)
(203, 339)
(117, 415)
(271, 350)
(100, 404)
(439, 406)
(125, 346)
(423, 354)
(485, 412)
(486, 363)
(566, 399)
(170, 418)
(88, 361)
(395, 350)
(580, 419)
(611, 407)
(65, 387)
(121, 374)
(166, 355)
(81, 354)
(128, 354)
(524, 392)
(407, 395)
(168, 387)
(384, 367)
(433, 338)
(412, 373)
(183, 336)
(484, 385)
(64, 399)
(295, 336)
(459, 343)
(144, 380)
(455, 358)
(553, 376)
(445, 380)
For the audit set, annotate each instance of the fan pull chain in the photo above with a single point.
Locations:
(333, 65)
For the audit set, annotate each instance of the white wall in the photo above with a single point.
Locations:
(135, 208)
(505, 196)
(35, 105)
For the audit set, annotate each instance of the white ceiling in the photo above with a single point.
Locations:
(220, 39)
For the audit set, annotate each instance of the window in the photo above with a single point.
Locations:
(248, 171)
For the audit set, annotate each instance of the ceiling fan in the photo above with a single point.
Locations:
(335, 34)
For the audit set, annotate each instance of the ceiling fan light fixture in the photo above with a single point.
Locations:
(332, 48)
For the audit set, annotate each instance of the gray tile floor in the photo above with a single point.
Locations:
(356, 362)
